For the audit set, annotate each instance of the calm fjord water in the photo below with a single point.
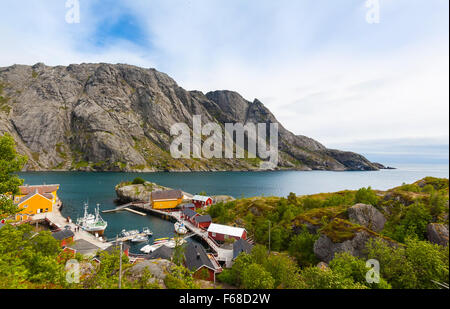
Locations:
(78, 187)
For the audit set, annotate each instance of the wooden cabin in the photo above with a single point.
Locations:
(203, 266)
(202, 222)
(64, 237)
(223, 233)
(201, 201)
(168, 199)
(32, 204)
(188, 214)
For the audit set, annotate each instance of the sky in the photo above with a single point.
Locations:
(381, 89)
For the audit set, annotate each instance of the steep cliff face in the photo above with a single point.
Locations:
(118, 118)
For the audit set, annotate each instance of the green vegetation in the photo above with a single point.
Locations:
(297, 222)
(10, 163)
(138, 181)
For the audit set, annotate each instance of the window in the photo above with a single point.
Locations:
(25, 206)
(213, 234)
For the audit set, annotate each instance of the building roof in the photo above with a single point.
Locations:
(201, 198)
(188, 205)
(196, 257)
(84, 247)
(24, 190)
(167, 195)
(189, 212)
(116, 246)
(226, 230)
(201, 219)
(241, 245)
(27, 197)
(63, 234)
(162, 252)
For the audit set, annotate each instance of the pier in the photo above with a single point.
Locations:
(221, 254)
(55, 218)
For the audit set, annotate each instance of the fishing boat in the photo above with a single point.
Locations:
(139, 238)
(92, 223)
(180, 228)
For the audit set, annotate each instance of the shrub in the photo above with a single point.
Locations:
(301, 247)
(366, 196)
(138, 181)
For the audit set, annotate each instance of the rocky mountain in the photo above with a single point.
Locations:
(118, 118)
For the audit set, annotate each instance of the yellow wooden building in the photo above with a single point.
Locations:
(168, 199)
(34, 200)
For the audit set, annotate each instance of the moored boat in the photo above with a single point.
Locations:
(180, 228)
(92, 223)
(139, 238)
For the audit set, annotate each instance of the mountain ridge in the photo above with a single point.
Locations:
(117, 117)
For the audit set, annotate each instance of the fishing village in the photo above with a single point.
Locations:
(214, 248)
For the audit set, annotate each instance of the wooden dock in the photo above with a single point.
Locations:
(223, 255)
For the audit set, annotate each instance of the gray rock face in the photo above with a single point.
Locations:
(117, 118)
(157, 268)
(138, 193)
(367, 216)
(437, 234)
(325, 249)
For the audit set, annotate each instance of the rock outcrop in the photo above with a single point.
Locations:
(127, 193)
(367, 216)
(157, 268)
(106, 117)
(437, 234)
(325, 248)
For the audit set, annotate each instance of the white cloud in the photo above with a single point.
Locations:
(323, 72)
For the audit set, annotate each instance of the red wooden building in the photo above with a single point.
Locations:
(201, 201)
(222, 233)
(189, 215)
(203, 265)
(64, 237)
(202, 222)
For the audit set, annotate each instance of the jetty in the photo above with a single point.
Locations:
(221, 254)
(57, 220)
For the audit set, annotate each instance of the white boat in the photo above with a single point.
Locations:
(180, 228)
(173, 242)
(147, 231)
(139, 238)
(92, 223)
(126, 233)
(150, 248)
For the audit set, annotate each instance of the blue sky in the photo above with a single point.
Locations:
(317, 64)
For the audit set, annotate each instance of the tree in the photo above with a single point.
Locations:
(283, 270)
(316, 278)
(178, 251)
(10, 162)
(256, 277)
(413, 266)
(350, 266)
(366, 196)
(414, 223)
(138, 181)
(301, 247)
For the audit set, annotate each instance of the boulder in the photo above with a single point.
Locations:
(158, 268)
(137, 193)
(325, 248)
(367, 216)
(437, 234)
